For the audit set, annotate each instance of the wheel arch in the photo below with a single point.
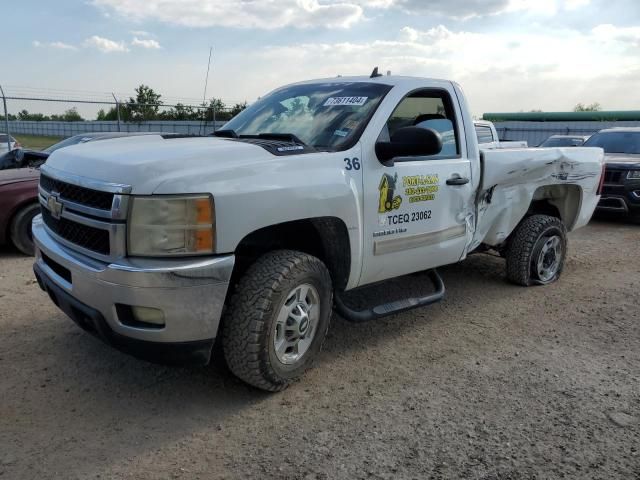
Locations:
(326, 238)
(561, 201)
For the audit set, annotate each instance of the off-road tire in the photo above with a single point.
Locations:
(251, 317)
(20, 229)
(525, 244)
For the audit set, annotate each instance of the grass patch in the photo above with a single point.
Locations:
(36, 142)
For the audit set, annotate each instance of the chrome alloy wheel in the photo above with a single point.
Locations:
(549, 259)
(296, 324)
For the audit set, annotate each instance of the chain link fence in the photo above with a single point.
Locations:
(67, 115)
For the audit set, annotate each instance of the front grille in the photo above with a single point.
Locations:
(74, 193)
(93, 239)
(614, 176)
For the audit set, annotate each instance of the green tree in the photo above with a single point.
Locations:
(180, 112)
(593, 107)
(217, 105)
(70, 115)
(145, 106)
(112, 114)
(37, 117)
(237, 108)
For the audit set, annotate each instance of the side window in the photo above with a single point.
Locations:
(426, 109)
(483, 132)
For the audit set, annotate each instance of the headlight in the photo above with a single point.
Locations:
(171, 225)
(633, 175)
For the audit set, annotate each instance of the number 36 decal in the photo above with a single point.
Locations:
(352, 163)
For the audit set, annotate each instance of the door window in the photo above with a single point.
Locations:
(426, 109)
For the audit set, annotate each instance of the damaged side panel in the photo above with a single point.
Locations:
(512, 179)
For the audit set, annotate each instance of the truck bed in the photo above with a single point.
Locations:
(512, 178)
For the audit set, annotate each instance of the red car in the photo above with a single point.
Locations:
(18, 205)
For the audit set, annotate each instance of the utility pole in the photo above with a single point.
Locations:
(6, 118)
(117, 109)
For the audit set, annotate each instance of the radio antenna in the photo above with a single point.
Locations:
(204, 96)
(206, 80)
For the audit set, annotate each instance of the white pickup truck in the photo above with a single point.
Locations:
(159, 245)
(488, 137)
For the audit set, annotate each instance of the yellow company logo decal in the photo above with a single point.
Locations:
(387, 188)
(421, 188)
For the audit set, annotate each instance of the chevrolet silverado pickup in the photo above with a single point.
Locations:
(159, 246)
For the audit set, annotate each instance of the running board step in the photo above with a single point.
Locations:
(391, 308)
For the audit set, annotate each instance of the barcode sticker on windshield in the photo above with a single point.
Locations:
(339, 101)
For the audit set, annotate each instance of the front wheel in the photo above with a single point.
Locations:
(277, 319)
(537, 250)
(21, 228)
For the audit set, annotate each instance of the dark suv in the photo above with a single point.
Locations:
(621, 192)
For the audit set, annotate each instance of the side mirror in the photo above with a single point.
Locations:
(409, 142)
(19, 157)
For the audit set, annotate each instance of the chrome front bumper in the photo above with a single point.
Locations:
(190, 292)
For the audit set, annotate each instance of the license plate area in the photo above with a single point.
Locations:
(61, 271)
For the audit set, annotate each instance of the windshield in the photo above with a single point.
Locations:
(67, 142)
(616, 142)
(562, 142)
(327, 116)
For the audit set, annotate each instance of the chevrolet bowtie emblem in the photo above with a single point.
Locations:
(55, 206)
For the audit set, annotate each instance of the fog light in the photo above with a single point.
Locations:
(148, 315)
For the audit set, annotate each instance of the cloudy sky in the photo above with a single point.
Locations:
(509, 55)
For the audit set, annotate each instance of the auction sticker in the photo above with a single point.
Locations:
(345, 101)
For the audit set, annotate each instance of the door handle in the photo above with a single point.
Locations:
(457, 180)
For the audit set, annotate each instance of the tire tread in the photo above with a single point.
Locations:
(244, 326)
(522, 244)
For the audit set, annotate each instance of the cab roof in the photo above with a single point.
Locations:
(391, 80)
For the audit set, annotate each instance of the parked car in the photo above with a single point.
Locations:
(7, 143)
(19, 186)
(19, 200)
(488, 137)
(20, 158)
(621, 190)
(158, 246)
(564, 141)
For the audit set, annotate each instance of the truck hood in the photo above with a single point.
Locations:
(19, 175)
(145, 162)
(624, 160)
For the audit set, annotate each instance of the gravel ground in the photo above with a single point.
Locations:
(496, 382)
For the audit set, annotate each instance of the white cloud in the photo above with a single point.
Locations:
(145, 43)
(273, 14)
(575, 4)
(141, 33)
(545, 7)
(57, 45)
(607, 33)
(464, 9)
(105, 45)
(547, 69)
(264, 14)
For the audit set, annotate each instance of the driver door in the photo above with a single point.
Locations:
(415, 212)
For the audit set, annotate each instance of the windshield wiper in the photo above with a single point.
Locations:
(287, 137)
(228, 133)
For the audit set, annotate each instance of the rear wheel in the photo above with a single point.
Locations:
(277, 319)
(20, 229)
(537, 251)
